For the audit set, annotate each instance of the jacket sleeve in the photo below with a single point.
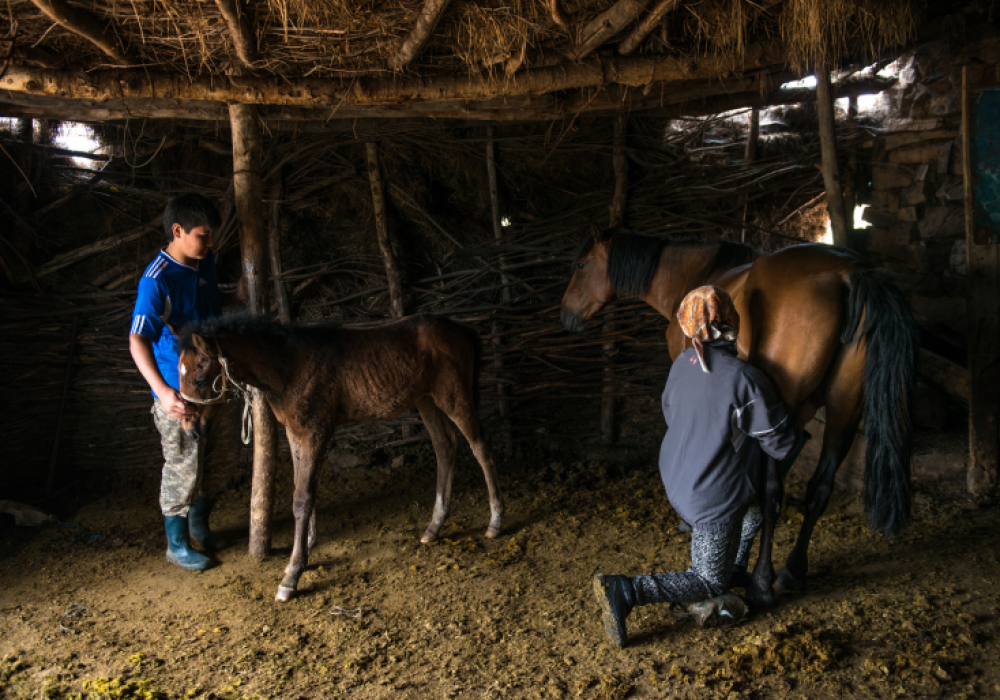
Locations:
(765, 419)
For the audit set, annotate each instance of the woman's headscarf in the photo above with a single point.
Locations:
(706, 314)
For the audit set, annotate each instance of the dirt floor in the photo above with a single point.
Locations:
(95, 611)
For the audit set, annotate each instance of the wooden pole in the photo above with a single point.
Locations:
(616, 218)
(502, 389)
(382, 230)
(248, 158)
(982, 244)
(643, 28)
(274, 245)
(828, 147)
(84, 24)
(753, 134)
(430, 15)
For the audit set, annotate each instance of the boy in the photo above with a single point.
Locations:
(178, 287)
(721, 412)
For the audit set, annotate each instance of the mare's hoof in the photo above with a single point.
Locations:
(759, 598)
(284, 594)
(787, 581)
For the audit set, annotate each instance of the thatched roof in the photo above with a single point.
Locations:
(495, 59)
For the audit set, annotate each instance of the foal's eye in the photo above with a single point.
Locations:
(579, 266)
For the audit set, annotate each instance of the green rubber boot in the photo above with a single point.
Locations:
(179, 552)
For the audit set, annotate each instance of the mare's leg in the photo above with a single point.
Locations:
(771, 490)
(443, 440)
(310, 448)
(293, 444)
(843, 413)
(462, 412)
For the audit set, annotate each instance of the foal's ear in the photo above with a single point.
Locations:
(199, 344)
(595, 231)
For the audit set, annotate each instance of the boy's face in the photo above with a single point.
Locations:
(194, 243)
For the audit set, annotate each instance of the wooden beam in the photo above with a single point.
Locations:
(105, 244)
(430, 15)
(980, 131)
(607, 25)
(634, 71)
(240, 30)
(648, 24)
(84, 24)
(382, 231)
(616, 218)
(828, 147)
(274, 247)
(945, 374)
(248, 161)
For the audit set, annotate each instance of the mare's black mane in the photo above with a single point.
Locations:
(634, 257)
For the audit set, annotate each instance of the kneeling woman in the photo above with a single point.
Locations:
(720, 412)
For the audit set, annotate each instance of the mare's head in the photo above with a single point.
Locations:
(609, 264)
(199, 369)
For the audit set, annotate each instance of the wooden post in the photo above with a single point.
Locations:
(248, 158)
(382, 230)
(980, 131)
(502, 389)
(616, 218)
(750, 155)
(274, 245)
(828, 147)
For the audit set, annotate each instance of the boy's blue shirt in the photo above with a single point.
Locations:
(170, 292)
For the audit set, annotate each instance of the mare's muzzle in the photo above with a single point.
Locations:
(571, 321)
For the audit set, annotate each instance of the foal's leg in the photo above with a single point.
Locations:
(310, 450)
(296, 450)
(843, 413)
(464, 416)
(771, 490)
(443, 440)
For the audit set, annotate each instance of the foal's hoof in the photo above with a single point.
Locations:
(429, 537)
(284, 594)
(725, 610)
(492, 533)
(787, 581)
(760, 598)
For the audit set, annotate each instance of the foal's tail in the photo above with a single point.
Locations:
(880, 317)
(477, 359)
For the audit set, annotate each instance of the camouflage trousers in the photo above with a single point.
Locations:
(197, 467)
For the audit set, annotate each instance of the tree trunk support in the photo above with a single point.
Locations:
(274, 247)
(502, 389)
(828, 147)
(616, 219)
(248, 159)
(382, 231)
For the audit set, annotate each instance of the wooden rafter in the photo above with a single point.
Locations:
(634, 71)
(430, 14)
(82, 23)
(607, 25)
(648, 24)
(240, 30)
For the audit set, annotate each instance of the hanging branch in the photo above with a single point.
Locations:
(430, 14)
(643, 28)
(609, 23)
(240, 30)
(82, 23)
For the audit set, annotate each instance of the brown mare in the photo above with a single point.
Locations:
(318, 377)
(825, 326)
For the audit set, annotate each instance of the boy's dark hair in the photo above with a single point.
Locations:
(190, 210)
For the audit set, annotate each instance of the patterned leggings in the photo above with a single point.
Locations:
(713, 553)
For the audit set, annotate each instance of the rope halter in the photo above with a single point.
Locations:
(228, 383)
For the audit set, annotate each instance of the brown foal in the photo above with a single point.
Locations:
(318, 377)
(826, 327)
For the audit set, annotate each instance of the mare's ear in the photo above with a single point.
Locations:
(595, 231)
(200, 344)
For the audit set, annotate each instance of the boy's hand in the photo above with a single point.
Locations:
(177, 407)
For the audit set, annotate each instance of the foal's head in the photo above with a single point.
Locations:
(589, 288)
(200, 370)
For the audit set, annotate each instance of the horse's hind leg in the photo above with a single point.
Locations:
(303, 503)
(465, 417)
(843, 413)
(443, 440)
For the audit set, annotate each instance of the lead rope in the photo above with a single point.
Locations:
(246, 425)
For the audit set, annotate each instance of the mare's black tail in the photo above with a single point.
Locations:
(891, 341)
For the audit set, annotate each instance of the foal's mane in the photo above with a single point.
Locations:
(633, 257)
(246, 324)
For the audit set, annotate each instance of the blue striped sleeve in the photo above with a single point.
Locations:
(150, 305)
